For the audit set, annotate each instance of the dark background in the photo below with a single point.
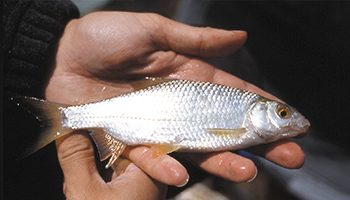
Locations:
(301, 48)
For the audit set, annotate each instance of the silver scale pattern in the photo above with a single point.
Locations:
(175, 112)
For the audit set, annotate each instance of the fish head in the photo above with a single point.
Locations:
(275, 120)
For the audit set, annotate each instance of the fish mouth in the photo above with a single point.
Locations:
(301, 126)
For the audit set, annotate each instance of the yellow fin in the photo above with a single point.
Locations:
(148, 82)
(227, 132)
(162, 149)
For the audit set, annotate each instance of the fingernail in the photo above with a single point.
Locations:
(185, 182)
(255, 175)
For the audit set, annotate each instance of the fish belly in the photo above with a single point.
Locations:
(178, 113)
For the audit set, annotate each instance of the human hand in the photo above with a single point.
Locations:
(82, 180)
(98, 55)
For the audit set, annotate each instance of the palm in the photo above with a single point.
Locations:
(100, 53)
(133, 46)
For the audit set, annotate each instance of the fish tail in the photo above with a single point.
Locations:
(48, 114)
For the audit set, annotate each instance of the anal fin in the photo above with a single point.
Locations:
(107, 146)
(162, 149)
(116, 147)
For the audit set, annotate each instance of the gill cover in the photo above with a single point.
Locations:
(271, 118)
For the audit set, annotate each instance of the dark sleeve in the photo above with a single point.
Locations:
(31, 31)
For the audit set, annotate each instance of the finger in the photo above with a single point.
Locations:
(203, 42)
(133, 183)
(119, 166)
(226, 165)
(284, 153)
(76, 156)
(162, 168)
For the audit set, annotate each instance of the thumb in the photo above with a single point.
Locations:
(198, 41)
(76, 156)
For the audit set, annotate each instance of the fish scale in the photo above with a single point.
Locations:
(171, 115)
(177, 112)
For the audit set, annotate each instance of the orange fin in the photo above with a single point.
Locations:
(117, 147)
(227, 132)
(163, 149)
(107, 145)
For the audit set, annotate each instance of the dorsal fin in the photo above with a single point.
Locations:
(148, 82)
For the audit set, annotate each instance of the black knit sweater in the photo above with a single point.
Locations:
(32, 29)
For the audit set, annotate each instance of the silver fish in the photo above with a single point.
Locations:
(175, 115)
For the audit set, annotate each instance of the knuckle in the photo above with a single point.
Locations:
(201, 42)
(74, 147)
(203, 38)
(155, 19)
(154, 16)
(139, 155)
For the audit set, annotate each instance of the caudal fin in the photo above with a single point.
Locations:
(49, 116)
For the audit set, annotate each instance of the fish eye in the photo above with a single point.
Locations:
(283, 112)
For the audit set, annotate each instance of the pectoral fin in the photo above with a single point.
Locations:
(163, 149)
(107, 146)
(227, 132)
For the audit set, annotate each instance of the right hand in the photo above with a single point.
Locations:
(96, 56)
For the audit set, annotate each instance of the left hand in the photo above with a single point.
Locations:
(100, 52)
(82, 180)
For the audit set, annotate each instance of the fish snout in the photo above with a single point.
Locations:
(303, 124)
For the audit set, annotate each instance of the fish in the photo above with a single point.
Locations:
(170, 115)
